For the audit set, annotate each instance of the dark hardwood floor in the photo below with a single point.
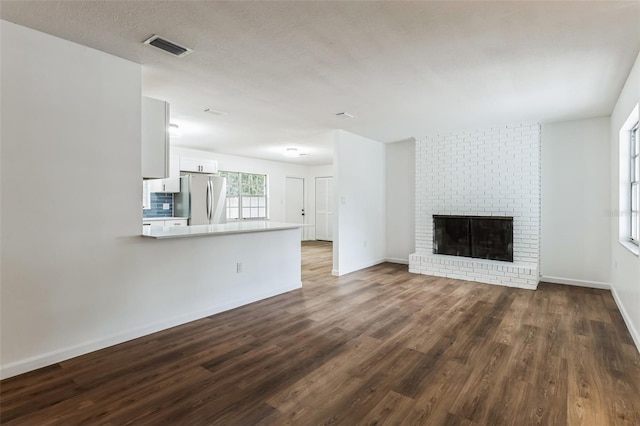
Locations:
(380, 346)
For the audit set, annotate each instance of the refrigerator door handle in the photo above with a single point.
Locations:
(209, 200)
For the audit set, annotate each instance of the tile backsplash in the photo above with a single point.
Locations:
(157, 200)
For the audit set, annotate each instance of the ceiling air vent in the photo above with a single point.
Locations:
(168, 46)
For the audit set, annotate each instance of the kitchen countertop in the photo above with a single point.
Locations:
(220, 229)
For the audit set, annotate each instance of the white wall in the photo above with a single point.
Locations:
(400, 202)
(625, 272)
(575, 200)
(277, 173)
(359, 179)
(75, 273)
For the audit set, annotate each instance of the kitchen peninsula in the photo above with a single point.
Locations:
(163, 232)
(215, 268)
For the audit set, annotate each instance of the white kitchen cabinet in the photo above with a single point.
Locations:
(156, 185)
(170, 222)
(172, 183)
(155, 139)
(198, 165)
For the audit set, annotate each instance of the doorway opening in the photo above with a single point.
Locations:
(317, 260)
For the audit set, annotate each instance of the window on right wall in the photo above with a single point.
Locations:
(629, 189)
(634, 185)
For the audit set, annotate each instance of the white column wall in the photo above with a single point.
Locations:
(359, 184)
(575, 246)
(400, 202)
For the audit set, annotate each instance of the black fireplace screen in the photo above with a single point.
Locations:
(482, 237)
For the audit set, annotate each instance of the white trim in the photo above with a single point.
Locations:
(577, 283)
(634, 249)
(635, 335)
(49, 358)
(397, 260)
(624, 178)
(338, 273)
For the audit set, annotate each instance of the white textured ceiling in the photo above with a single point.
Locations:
(282, 70)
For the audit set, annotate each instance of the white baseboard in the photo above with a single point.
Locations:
(397, 260)
(338, 273)
(635, 335)
(49, 358)
(577, 283)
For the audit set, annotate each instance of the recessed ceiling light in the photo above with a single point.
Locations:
(292, 152)
(345, 115)
(214, 112)
(167, 46)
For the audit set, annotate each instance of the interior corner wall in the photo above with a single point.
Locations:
(575, 230)
(400, 202)
(625, 266)
(359, 188)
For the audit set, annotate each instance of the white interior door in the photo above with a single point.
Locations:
(294, 201)
(324, 208)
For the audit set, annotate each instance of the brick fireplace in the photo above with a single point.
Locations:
(485, 172)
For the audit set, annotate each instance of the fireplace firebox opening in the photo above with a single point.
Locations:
(481, 237)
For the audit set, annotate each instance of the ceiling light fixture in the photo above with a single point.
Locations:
(214, 112)
(345, 115)
(174, 131)
(292, 152)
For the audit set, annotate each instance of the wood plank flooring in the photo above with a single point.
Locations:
(380, 346)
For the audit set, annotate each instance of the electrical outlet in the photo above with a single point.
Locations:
(165, 206)
(239, 267)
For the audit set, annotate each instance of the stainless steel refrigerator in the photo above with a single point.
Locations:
(202, 199)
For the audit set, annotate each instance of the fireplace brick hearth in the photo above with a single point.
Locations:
(485, 172)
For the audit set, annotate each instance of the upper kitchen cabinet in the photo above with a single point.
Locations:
(155, 138)
(172, 183)
(198, 165)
